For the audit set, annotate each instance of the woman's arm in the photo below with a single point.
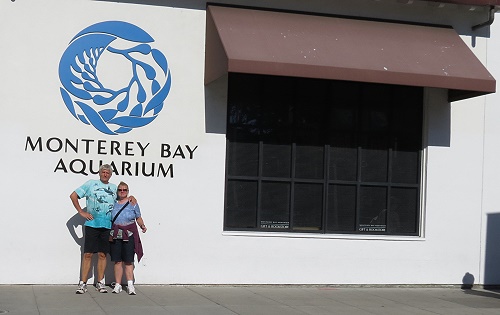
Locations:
(141, 224)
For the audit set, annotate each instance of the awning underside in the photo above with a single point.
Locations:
(299, 45)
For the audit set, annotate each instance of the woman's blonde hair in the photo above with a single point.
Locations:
(122, 184)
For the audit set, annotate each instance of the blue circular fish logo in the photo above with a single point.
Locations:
(112, 78)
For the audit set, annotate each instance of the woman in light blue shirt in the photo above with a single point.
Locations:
(125, 238)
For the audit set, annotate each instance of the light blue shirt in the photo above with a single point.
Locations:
(128, 215)
(100, 199)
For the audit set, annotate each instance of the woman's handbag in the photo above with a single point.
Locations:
(114, 219)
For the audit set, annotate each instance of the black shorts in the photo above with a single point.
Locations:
(123, 250)
(96, 240)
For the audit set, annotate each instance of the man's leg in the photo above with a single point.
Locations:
(101, 266)
(85, 268)
(103, 250)
(86, 263)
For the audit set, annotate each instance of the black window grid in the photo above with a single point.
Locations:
(326, 182)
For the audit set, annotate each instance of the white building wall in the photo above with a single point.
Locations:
(490, 228)
(185, 242)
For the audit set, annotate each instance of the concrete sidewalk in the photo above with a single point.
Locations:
(231, 300)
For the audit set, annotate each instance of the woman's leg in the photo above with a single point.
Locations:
(129, 271)
(118, 272)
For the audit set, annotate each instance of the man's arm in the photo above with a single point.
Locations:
(74, 199)
(132, 200)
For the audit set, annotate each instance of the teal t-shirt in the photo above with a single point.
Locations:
(100, 199)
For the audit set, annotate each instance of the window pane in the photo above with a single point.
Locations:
(374, 159)
(404, 209)
(243, 158)
(343, 102)
(341, 213)
(309, 111)
(275, 206)
(309, 162)
(375, 108)
(277, 160)
(373, 209)
(405, 166)
(276, 118)
(343, 163)
(343, 118)
(244, 115)
(407, 110)
(308, 207)
(241, 204)
(243, 118)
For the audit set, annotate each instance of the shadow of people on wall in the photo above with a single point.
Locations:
(75, 226)
(467, 281)
(76, 230)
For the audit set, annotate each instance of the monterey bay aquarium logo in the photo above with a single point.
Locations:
(112, 78)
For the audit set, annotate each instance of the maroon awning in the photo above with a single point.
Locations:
(470, 2)
(300, 45)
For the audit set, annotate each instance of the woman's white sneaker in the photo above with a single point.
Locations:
(131, 290)
(117, 289)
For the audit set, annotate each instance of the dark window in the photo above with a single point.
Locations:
(322, 156)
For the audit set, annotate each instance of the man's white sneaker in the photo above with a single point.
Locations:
(82, 288)
(101, 287)
(117, 289)
(131, 290)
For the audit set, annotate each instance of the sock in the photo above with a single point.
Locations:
(130, 283)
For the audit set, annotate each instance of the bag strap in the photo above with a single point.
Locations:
(116, 216)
